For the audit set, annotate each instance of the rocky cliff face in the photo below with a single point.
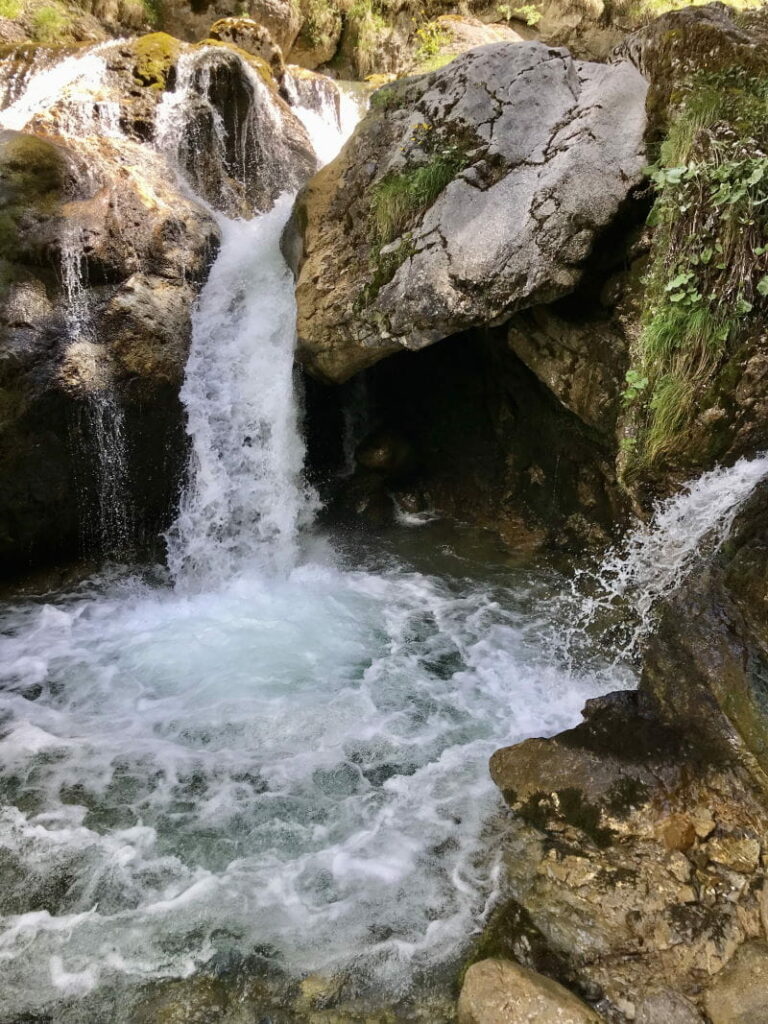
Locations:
(103, 253)
(635, 854)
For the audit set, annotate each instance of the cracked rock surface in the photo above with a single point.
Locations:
(538, 168)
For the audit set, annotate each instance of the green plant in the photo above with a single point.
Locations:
(431, 38)
(528, 13)
(399, 198)
(636, 384)
(10, 8)
(705, 287)
(48, 23)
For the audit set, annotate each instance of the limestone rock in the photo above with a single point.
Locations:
(465, 195)
(502, 992)
(739, 993)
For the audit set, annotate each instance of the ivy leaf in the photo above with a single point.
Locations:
(742, 307)
(762, 286)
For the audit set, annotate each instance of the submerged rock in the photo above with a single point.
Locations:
(464, 196)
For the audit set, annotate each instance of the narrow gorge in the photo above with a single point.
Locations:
(383, 533)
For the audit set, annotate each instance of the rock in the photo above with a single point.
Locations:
(190, 21)
(280, 18)
(677, 832)
(706, 663)
(319, 36)
(739, 993)
(735, 852)
(511, 136)
(581, 361)
(451, 34)
(253, 38)
(667, 1007)
(502, 992)
(709, 37)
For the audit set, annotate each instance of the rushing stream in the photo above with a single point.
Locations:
(276, 749)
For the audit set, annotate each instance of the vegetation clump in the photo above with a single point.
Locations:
(402, 196)
(707, 286)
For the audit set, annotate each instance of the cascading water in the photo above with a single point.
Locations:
(621, 595)
(279, 764)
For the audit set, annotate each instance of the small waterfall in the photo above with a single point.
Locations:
(328, 110)
(68, 85)
(619, 598)
(100, 430)
(245, 499)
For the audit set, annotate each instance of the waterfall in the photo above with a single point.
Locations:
(245, 499)
(621, 595)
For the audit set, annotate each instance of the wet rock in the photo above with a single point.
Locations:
(516, 141)
(739, 993)
(386, 452)
(102, 255)
(502, 992)
(253, 38)
(667, 1007)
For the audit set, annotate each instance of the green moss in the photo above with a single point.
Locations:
(156, 54)
(11, 8)
(50, 23)
(400, 198)
(704, 290)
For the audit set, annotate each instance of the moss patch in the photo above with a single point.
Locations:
(155, 54)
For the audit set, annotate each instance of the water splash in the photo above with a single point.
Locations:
(620, 597)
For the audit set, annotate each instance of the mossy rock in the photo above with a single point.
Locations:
(156, 54)
(35, 175)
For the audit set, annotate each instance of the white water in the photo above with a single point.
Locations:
(281, 753)
(656, 557)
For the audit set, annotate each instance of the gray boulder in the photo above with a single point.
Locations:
(464, 196)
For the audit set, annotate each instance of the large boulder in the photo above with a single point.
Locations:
(464, 196)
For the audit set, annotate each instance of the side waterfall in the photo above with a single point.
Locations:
(619, 597)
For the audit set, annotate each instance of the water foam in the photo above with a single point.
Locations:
(297, 763)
